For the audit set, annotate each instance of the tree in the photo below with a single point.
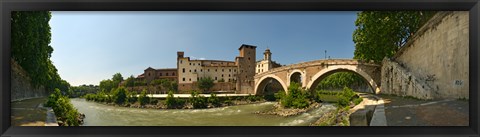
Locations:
(106, 85)
(30, 44)
(31, 37)
(380, 34)
(117, 78)
(205, 83)
(120, 95)
(130, 81)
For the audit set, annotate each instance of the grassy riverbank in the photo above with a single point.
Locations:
(123, 97)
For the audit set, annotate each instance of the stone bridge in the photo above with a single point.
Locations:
(309, 74)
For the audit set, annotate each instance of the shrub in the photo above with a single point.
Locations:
(63, 109)
(143, 98)
(214, 100)
(296, 97)
(205, 83)
(197, 100)
(119, 95)
(357, 100)
(171, 101)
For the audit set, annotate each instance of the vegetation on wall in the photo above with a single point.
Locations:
(31, 37)
(380, 34)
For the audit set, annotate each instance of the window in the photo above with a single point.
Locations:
(228, 75)
(195, 70)
(191, 79)
(194, 64)
(183, 70)
(201, 70)
(166, 74)
(180, 61)
(148, 74)
(190, 70)
(173, 73)
(215, 78)
(183, 79)
(190, 64)
(199, 64)
(208, 70)
(160, 74)
(229, 70)
(215, 70)
(197, 79)
(234, 70)
(228, 80)
(222, 75)
(262, 65)
(248, 58)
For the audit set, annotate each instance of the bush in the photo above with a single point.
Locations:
(296, 97)
(63, 109)
(120, 95)
(197, 100)
(357, 100)
(214, 100)
(171, 101)
(143, 98)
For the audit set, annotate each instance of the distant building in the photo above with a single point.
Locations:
(228, 75)
(151, 74)
(266, 64)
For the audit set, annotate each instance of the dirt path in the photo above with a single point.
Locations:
(413, 112)
(28, 113)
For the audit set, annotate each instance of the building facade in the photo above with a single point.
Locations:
(151, 74)
(266, 64)
(227, 75)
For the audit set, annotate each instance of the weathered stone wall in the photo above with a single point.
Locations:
(436, 57)
(21, 88)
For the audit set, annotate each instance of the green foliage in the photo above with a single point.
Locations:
(380, 34)
(341, 79)
(130, 81)
(296, 97)
(77, 91)
(205, 83)
(214, 100)
(110, 84)
(197, 100)
(253, 98)
(120, 95)
(173, 102)
(31, 50)
(357, 100)
(143, 98)
(342, 98)
(63, 109)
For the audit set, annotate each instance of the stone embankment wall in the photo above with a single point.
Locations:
(434, 62)
(21, 87)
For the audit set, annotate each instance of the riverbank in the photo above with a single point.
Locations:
(286, 112)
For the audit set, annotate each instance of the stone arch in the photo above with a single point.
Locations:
(261, 83)
(302, 76)
(343, 68)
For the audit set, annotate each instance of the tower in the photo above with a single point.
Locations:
(246, 66)
(267, 55)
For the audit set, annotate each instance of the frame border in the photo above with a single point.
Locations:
(7, 6)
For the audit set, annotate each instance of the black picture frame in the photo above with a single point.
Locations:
(7, 6)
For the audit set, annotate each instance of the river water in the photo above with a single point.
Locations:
(97, 114)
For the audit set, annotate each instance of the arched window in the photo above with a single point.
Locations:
(183, 70)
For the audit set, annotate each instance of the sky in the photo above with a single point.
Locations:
(90, 46)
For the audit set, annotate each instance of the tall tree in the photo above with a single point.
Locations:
(31, 37)
(380, 34)
(205, 83)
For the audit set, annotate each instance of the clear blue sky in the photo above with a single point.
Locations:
(92, 46)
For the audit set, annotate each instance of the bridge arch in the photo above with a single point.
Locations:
(297, 76)
(342, 68)
(261, 84)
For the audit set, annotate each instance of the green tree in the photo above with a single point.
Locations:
(30, 44)
(130, 81)
(380, 34)
(120, 95)
(106, 85)
(205, 83)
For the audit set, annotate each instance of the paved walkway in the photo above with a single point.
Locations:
(28, 113)
(401, 111)
(378, 118)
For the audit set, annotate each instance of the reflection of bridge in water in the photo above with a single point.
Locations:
(309, 74)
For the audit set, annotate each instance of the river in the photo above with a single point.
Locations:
(97, 114)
